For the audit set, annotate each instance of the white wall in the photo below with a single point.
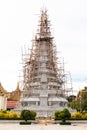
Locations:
(3, 102)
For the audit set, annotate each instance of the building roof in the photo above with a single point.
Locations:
(30, 99)
(14, 95)
(2, 90)
(60, 99)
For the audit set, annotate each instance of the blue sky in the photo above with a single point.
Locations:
(18, 23)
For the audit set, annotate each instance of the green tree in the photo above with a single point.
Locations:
(84, 102)
(71, 98)
(75, 104)
(80, 104)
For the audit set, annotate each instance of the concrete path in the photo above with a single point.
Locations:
(11, 126)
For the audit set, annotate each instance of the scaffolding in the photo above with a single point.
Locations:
(43, 71)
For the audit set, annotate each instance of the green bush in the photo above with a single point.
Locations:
(28, 115)
(57, 115)
(33, 115)
(63, 115)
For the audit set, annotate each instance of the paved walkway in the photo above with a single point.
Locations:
(11, 126)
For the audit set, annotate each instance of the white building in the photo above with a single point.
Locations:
(3, 98)
(3, 102)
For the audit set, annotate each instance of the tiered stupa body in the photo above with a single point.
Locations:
(43, 74)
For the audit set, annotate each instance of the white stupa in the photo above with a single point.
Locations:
(43, 74)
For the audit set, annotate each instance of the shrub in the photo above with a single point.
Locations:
(79, 115)
(9, 115)
(76, 115)
(64, 115)
(2, 115)
(33, 115)
(57, 115)
(28, 115)
(14, 115)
